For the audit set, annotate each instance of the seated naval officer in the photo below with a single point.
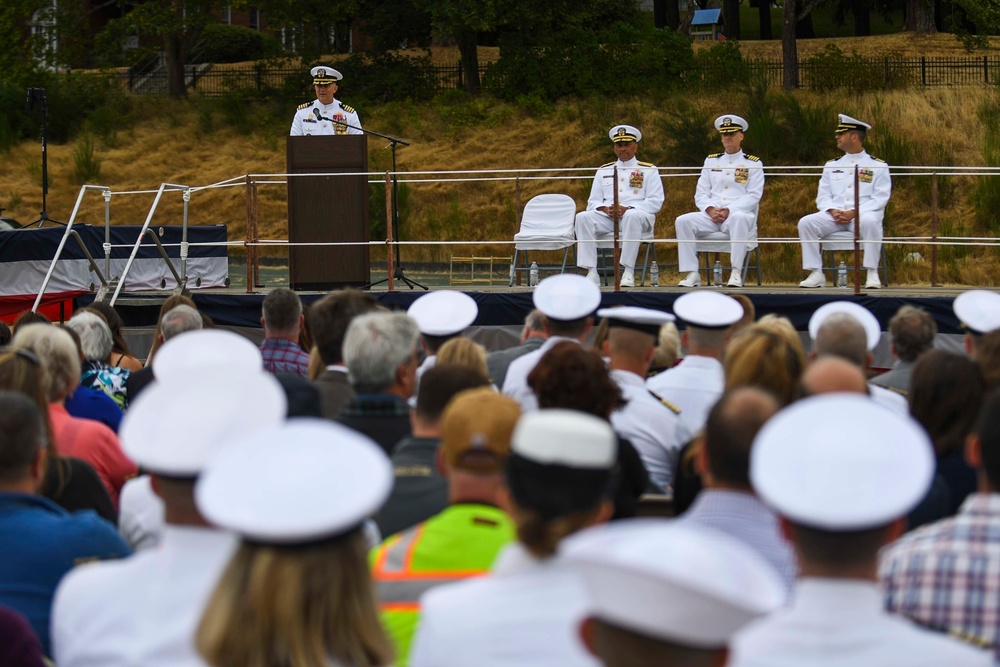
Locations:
(325, 115)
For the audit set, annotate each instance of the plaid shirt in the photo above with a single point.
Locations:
(946, 575)
(284, 356)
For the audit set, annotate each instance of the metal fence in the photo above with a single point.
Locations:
(872, 73)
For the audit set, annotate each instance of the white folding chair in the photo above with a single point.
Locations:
(844, 240)
(548, 223)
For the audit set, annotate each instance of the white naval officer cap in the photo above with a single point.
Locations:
(566, 297)
(729, 123)
(443, 313)
(565, 437)
(174, 429)
(846, 123)
(873, 330)
(300, 481)
(621, 133)
(822, 462)
(323, 75)
(672, 582)
(708, 310)
(196, 354)
(646, 320)
(978, 310)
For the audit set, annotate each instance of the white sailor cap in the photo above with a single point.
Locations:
(565, 437)
(566, 297)
(873, 330)
(443, 313)
(729, 123)
(323, 75)
(708, 310)
(301, 481)
(847, 123)
(673, 582)
(823, 462)
(174, 430)
(620, 133)
(194, 354)
(978, 310)
(645, 320)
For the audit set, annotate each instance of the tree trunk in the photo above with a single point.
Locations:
(804, 27)
(731, 17)
(862, 18)
(469, 52)
(764, 13)
(919, 17)
(173, 50)
(789, 47)
(673, 14)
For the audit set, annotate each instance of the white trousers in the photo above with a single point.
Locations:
(815, 226)
(689, 225)
(591, 224)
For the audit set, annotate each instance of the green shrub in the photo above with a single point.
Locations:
(377, 78)
(689, 134)
(987, 194)
(86, 165)
(721, 66)
(810, 126)
(765, 137)
(831, 68)
(233, 44)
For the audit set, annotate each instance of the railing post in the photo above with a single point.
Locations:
(390, 266)
(934, 230)
(107, 232)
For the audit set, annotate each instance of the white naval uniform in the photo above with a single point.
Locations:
(527, 613)
(306, 123)
(515, 384)
(734, 181)
(890, 399)
(836, 191)
(428, 363)
(140, 515)
(694, 385)
(650, 426)
(142, 610)
(842, 623)
(640, 187)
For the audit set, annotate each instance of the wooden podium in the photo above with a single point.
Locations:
(328, 209)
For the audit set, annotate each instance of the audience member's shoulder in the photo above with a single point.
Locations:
(87, 530)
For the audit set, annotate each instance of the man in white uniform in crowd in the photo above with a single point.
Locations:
(727, 197)
(640, 197)
(325, 115)
(696, 383)
(835, 202)
(144, 610)
(568, 303)
(649, 422)
(441, 316)
(842, 472)
(978, 311)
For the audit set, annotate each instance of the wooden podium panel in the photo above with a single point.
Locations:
(328, 209)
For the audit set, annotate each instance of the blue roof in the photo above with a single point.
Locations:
(706, 16)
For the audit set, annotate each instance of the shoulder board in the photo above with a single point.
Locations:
(673, 408)
(646, 164)
(303, 106)
(753, 158)
(897, 391)
(878, 159)
(607, 165)
(711, 155)
(346, 107)
(836, 159)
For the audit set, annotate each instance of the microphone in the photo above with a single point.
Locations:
(315, 111)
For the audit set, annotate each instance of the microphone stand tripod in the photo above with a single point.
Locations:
(398, 273)
(37, 96)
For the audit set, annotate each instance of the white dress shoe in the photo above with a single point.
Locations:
(873, 281)
(735, 280)
(593, 277)
(815, 279)
(693, 279)
(628, 279)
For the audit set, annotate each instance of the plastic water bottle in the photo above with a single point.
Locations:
(533, 274)
(717, 274)
(842, 275)
(654, 275)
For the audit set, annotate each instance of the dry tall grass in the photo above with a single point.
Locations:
(169, 147)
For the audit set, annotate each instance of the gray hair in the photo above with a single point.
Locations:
(842, 335)
(281, 310)
(180, 319)
(94, 333)
(376, 345)
(535, 321)
(57, 350)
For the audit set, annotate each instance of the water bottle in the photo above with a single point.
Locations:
(842, 275)
(654, 275)
(717, 274)
(533, 274)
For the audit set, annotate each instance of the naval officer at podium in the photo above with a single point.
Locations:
(318, 117)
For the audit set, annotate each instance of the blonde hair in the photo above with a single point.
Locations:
(463, 352)
(540, 537)
(316, 364)
(668, 347)
(295, 606)
(765, 356)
